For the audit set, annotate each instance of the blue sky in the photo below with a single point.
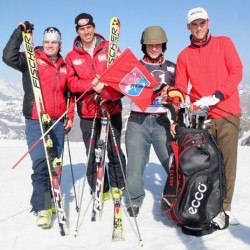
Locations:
(228, 17)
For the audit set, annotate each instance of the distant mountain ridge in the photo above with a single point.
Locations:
(12, 121)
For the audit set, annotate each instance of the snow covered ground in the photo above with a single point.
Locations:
(18, 230)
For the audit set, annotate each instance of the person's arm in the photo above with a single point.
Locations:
(234, 68)
(181, 76)
(11, 53)
(75, 84)
(69, 117)
(106, 92)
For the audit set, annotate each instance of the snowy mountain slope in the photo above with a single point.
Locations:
(19, 232)
(12, 121)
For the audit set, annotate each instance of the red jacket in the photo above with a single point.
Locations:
(82, 70)
(214, 66)
(53, 79)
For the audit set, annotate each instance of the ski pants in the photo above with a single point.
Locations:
(115, 174)
(226, 131)
(41, 195)
(144, 130)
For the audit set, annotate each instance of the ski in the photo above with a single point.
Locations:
(100, 153)
(117, 233)
(113, 40)
(54, 164)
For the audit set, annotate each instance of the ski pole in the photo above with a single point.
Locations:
(85, 173)
(72, 173)
(66, 131)
(124, 177)
(53, 125)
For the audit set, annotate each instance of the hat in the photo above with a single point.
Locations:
(52, 34)
(154, 35)
(196, 13)
(84, 19)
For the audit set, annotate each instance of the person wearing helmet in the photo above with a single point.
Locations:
(149, 127)
(212, 66)
(52, 71)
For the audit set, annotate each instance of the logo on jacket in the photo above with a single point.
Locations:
(102, 58)
(171, 69)
(63, 70)
(78, 61)
(134, 82)
(41, 62)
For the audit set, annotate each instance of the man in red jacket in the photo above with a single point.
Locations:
(52, 72)
(214, 69)
(86, 61)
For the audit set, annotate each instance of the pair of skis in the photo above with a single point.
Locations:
(100, 151)
(98, 199)
(54, 164)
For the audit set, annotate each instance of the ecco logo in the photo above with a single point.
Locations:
(199, 195)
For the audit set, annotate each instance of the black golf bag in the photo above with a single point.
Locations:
(196, 185)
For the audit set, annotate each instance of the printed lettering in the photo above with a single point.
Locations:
(199, 195)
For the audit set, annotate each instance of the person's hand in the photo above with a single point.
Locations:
(207, 101)
(164, 92)
(26, 25)
(97, 86)
(67, 127)
(173, 129)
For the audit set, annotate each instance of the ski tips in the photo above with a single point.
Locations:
(141, 243)
(115, 21)
(76, 233)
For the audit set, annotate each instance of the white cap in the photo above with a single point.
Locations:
(196, 13)
(52, 34)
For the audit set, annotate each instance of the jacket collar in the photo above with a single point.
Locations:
(199, 44)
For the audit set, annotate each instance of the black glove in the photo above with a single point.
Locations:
(24, 26)
(66, 131)
(97, 100)
(158, 88)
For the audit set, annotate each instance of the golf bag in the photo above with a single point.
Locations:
(196, 185)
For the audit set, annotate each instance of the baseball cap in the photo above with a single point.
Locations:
(84, 19)
(196, 13)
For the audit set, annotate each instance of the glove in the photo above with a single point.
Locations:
(67, 126)
(24, 26)
(158, 88)
(207, 101)
(67, 130)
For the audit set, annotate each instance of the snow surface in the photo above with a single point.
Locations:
(18, 230)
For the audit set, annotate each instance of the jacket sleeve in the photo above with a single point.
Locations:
(70, 102)
(72, 110)
(181, 76)
(75, 84)
(11, 54)
(234, 67)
